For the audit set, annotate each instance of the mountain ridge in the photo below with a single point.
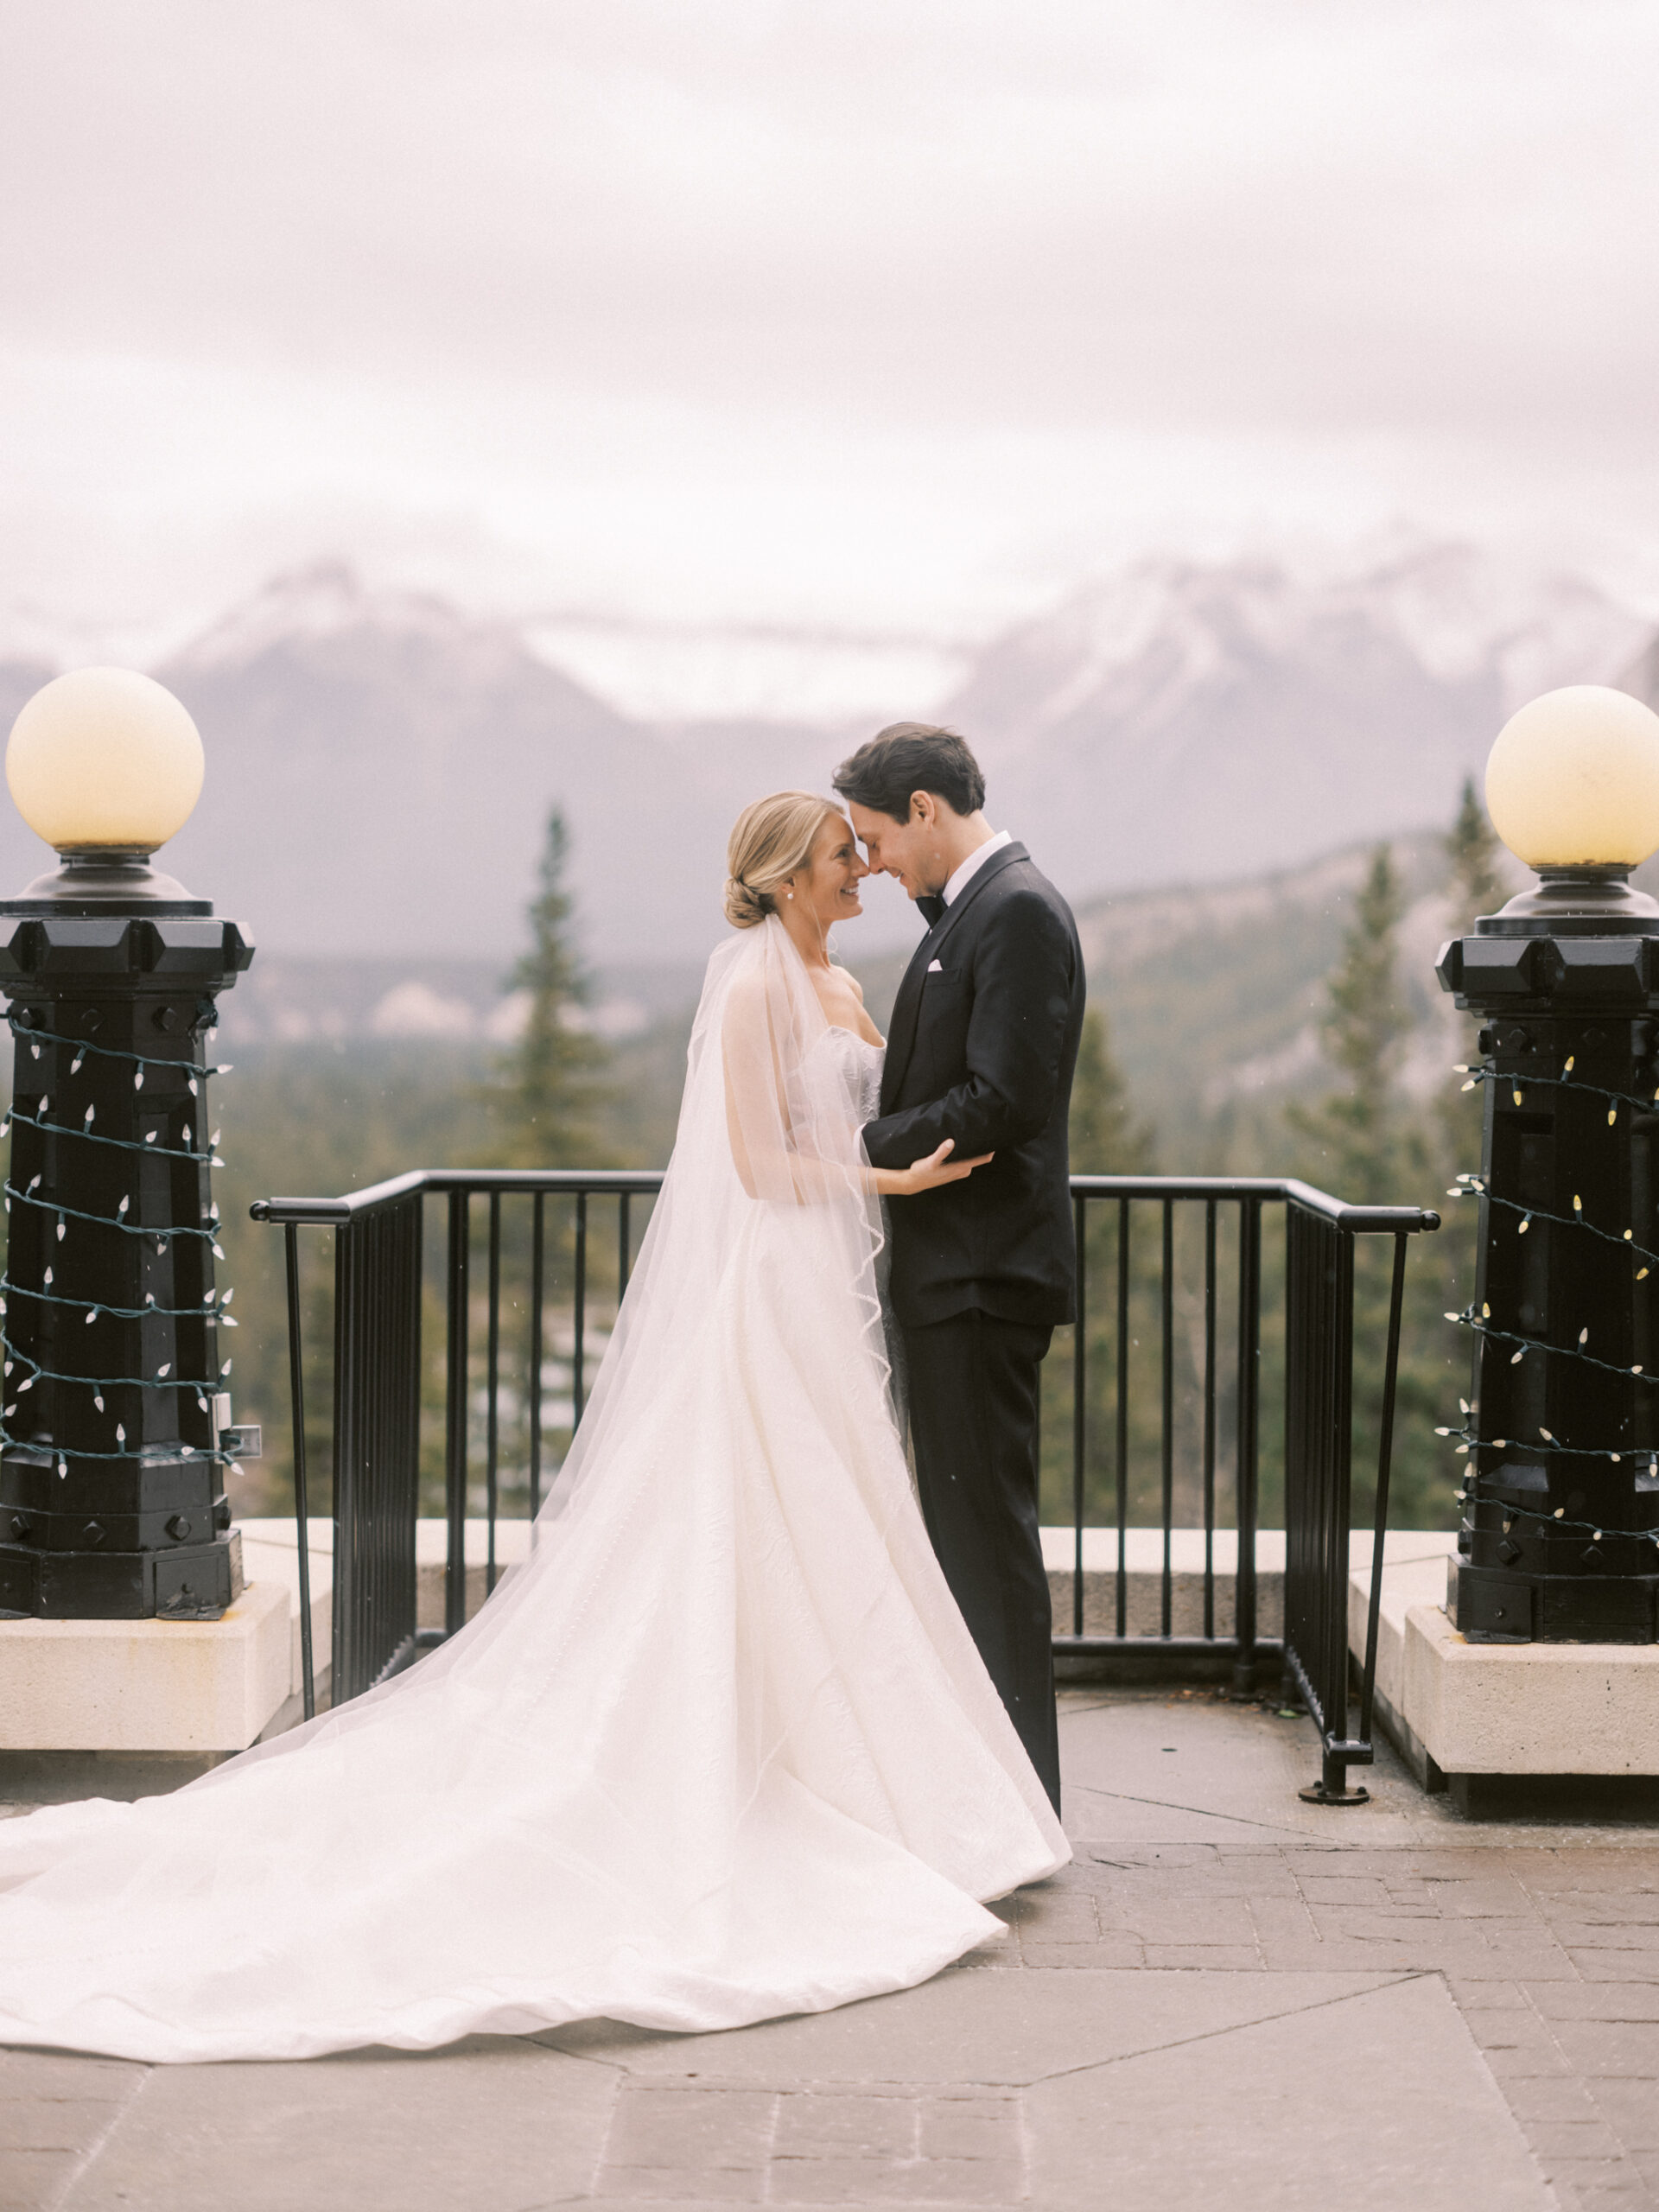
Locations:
(380, 765)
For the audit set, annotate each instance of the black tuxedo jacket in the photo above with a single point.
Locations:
(983, 1043)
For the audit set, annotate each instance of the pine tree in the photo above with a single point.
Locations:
(1472, 848)
(552, 1089)
(1358, 1128)
(1475, 887)
(1105, 1138)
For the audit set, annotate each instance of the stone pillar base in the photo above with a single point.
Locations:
(1481, 1720)
(149, 1689)
(1527, 1708)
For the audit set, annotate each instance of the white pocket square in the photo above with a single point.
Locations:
(936, 968)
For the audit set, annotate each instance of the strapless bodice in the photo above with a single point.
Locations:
(860, 1064)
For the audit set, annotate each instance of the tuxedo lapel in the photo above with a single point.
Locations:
(953, 913)
(901, 1028)
(907, 1001)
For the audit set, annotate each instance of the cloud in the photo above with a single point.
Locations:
(729, 298)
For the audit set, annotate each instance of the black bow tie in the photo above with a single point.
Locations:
(930, 908)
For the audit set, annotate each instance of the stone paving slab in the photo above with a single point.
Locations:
(1009, 2030)
(1380, 2100)
(488, 2124)
(1229, 1998)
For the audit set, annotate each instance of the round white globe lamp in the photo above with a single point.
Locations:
(105, 764)
(1573, 790)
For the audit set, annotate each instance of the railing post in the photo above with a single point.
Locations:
(1209, 1417)
(537, 1244)
(1121, 1417)
(458, 1284)
(1384, 1462)
(1319, 1424)
(1247, 1442)
(579, 1324)
(1334, 1787)
(346, 1608)
(377, 1442)
(302, 1504)
(1167, 1414)
(493, 1370)
(1080, 1409)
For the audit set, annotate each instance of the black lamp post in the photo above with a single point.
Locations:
(1559, 1539)
(115, 1436)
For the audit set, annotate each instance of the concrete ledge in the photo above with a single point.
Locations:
(269, 1547)
(1143, 1560)
(149, 1687)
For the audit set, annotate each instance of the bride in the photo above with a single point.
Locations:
(722, 1750)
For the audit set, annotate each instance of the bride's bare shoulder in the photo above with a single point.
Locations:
(746, 1004)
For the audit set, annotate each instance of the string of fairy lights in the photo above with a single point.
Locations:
(1480, 1323)
(212, 1306)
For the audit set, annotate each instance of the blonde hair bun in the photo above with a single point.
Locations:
(745, 907)
(771, 840)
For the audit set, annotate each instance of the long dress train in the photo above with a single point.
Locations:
(721, 1751)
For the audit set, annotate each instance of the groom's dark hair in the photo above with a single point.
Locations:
(908, 757)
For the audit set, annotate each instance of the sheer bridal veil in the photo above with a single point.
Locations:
(768, 1181)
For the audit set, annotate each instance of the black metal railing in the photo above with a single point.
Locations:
(1180, 1323)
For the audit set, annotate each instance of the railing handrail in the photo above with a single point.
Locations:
(604, 1182)
(1360, 1221)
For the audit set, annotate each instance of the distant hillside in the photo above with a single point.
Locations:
(1213, 995)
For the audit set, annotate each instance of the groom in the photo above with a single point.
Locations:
(982, 1042)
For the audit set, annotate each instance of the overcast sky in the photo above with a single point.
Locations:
(889, 313)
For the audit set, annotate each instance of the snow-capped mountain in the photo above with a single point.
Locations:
(381, 770)
(380, 765)
(1193, 722)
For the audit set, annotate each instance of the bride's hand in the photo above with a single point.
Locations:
(933, 1172)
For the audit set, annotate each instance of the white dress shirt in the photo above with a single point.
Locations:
(975, 861)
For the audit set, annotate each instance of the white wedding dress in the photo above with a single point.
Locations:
(723, 1749)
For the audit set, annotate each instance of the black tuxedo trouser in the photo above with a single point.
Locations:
(973, 1422)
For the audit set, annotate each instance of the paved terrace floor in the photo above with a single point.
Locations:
(1229, 1999)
